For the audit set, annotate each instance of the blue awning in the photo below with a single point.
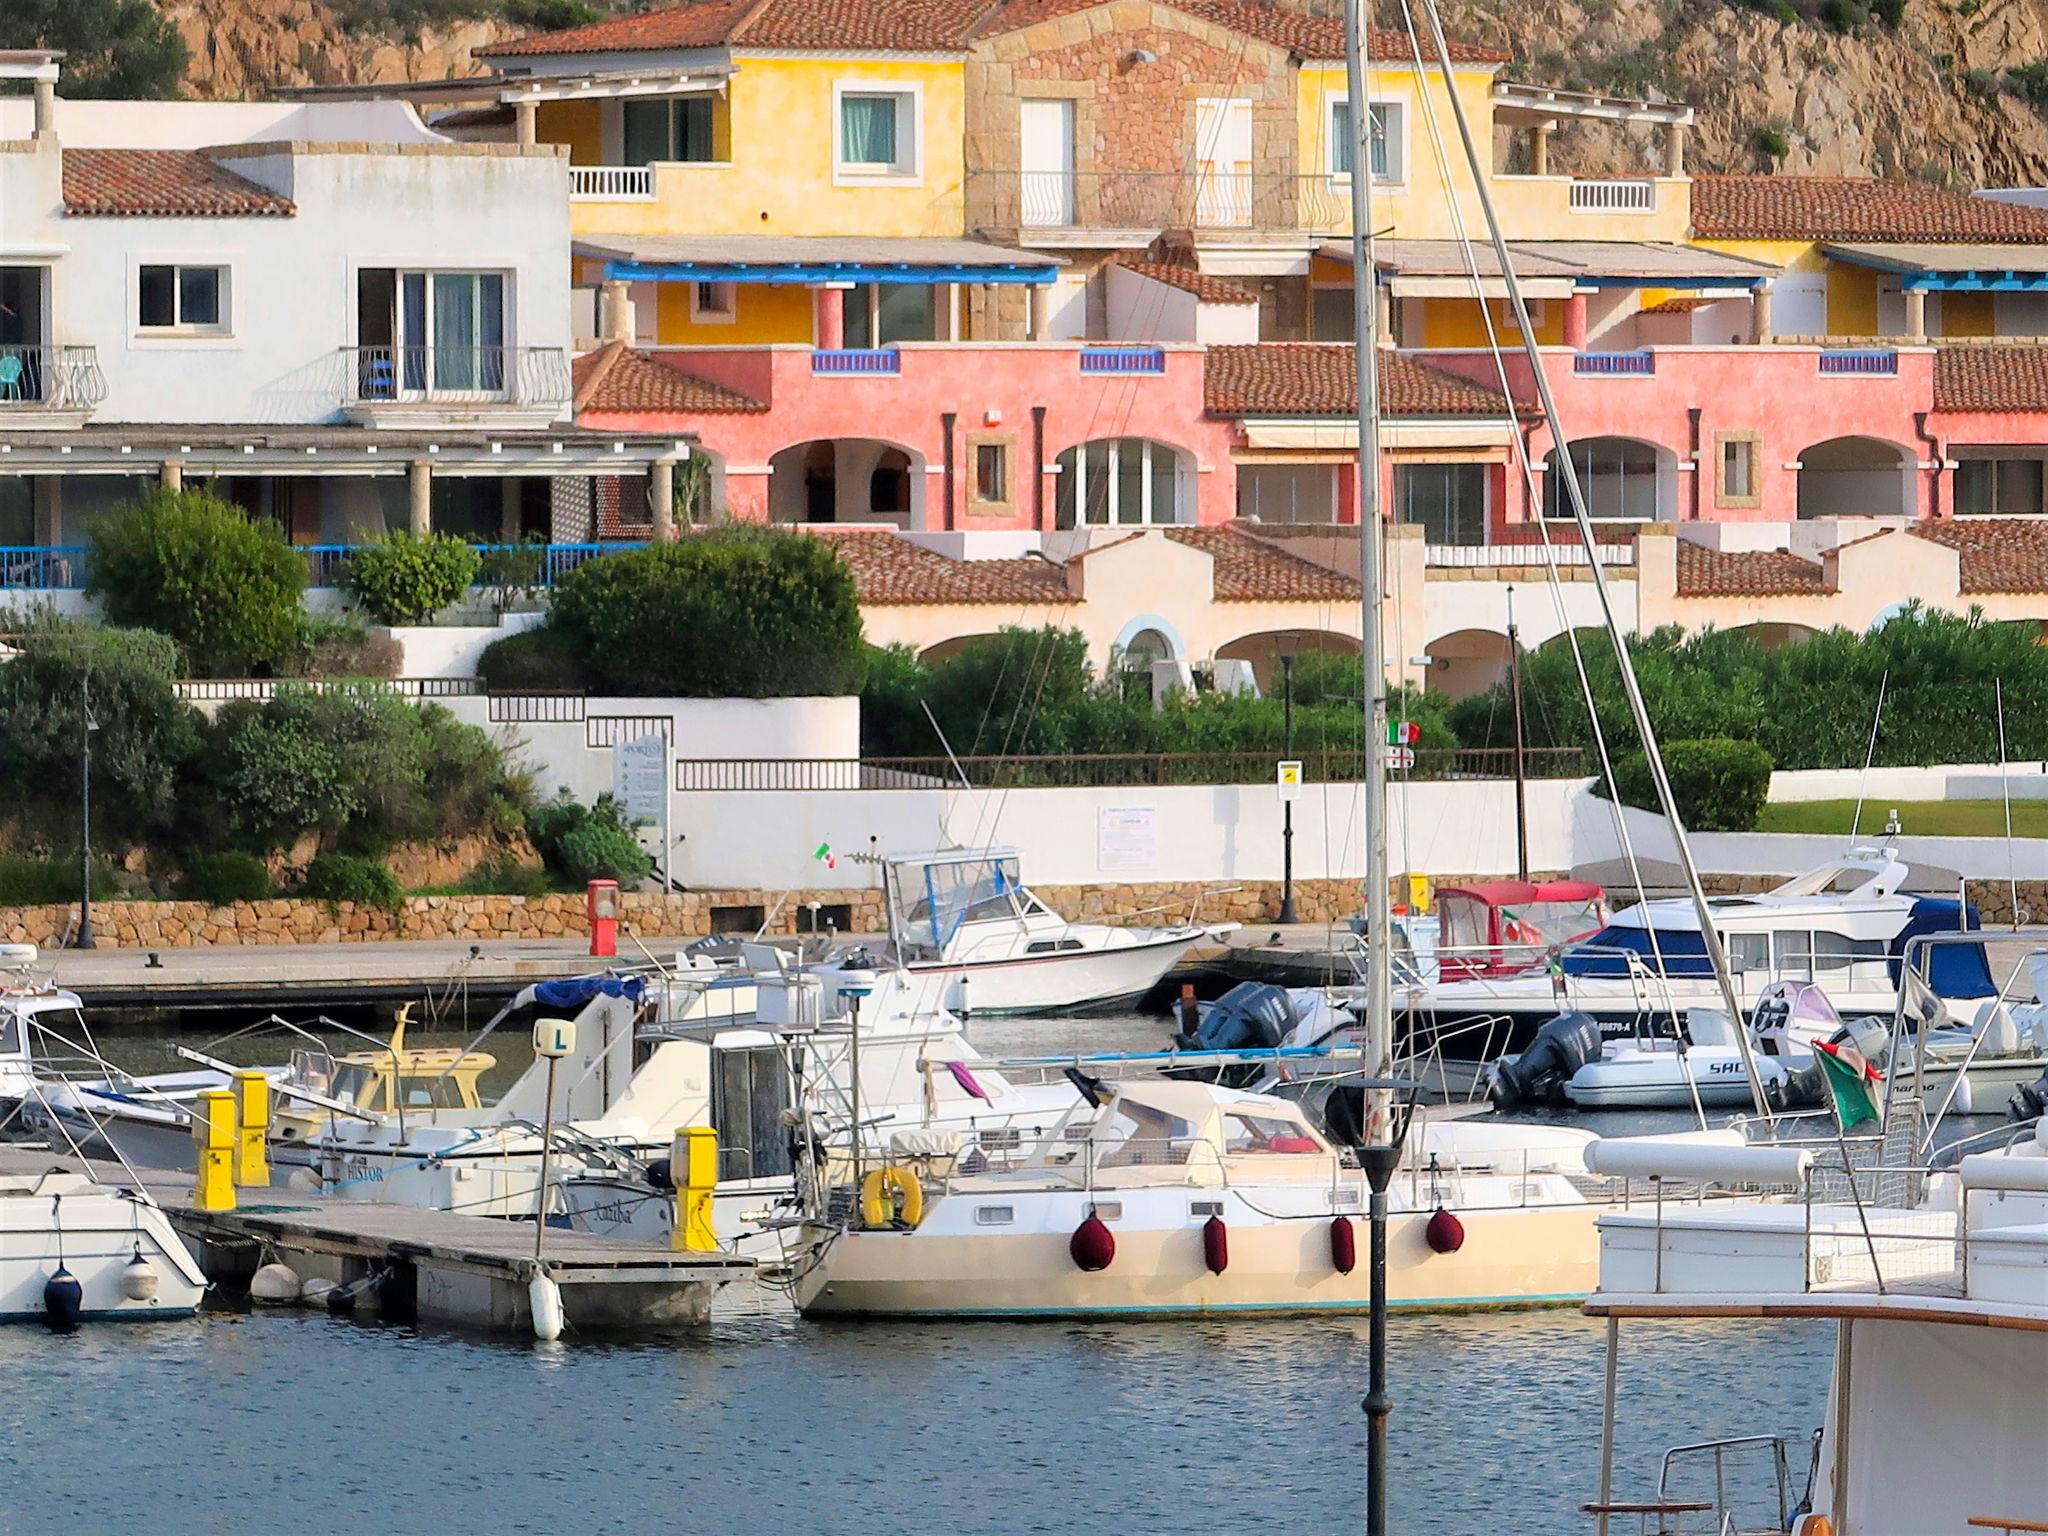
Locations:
(807, 260)
(575, 991)
(1953, 970)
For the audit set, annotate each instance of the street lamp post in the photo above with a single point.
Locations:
(86, 726)
(1287, 805)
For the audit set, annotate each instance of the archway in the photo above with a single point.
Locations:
(1467, 661)
(1264, 650)
(846, 480)
(1115, 481)
(1623, 479)
(1772, 633)
(946, 650)
(1856, 477)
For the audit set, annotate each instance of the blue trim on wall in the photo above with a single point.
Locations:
(803, 273)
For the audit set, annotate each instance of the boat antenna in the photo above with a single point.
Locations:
(2004, 788)
(1717, 954)
(945, 832)
(1869, 755)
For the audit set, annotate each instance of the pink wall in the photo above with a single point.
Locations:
(976, 382)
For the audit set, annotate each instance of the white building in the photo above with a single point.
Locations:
(338, 317)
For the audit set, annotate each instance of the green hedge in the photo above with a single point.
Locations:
(221, 879)
(407, 578)
(338, 877)
(584, 843)
(33, 882)
(1718, 784)
(542, 657)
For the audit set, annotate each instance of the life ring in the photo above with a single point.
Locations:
(880, 1193)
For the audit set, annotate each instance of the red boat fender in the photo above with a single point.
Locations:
(1093, 1245)
(1445, 1232)
(1343, 1245)
(1216, 1245)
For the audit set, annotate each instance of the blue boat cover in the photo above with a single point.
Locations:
(575, 991)
(1953, 970)
(1685, 953)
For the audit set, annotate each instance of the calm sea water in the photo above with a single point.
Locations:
(236, 1421)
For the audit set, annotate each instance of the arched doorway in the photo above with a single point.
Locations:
(1116, 481)
(946, 650)
(1856, 477)
(846, 480)
(1468, 661)
(1264, 650)
(1623, 480)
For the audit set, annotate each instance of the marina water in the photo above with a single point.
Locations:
(762, 1421)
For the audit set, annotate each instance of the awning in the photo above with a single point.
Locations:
(1542, 106)
(1328, 434)
(1953, 268)
(797, 260)
(1555, 268)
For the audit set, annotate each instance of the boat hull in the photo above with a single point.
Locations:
(1055, 982)
(101, 1234)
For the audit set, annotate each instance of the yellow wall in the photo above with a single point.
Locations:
(1530, 207)
(1852, 300)
(577, 124)
(779, 180)
(1967, 314)
(1456, 323)
(762, 314)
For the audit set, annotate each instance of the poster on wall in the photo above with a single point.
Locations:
(1126, 837)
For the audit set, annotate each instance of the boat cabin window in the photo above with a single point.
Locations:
(749, 1092)
(356, 1085)
(1243, 1134)
(1800, 954)
(1749, 951)
(1129, 1135)
(936, 899)
(432, 1090)
(10, 1033)
(1050, 946)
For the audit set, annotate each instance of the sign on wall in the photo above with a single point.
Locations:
(1126, 837)
(640, 785)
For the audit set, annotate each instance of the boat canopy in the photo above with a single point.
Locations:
(931, 895)
(1953, 970)
(1607, 952)
(1497, 927)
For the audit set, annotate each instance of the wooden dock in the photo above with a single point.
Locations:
(415, 1264)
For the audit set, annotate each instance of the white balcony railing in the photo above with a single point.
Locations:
(1613, 197)
(1483, 557)
(612, 183)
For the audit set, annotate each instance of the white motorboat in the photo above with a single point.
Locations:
(33, 1009)
(963, 922)
(72, 1250)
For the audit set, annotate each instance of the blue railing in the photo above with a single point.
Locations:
(1125, 360)
(1876, 363)
(863, 361)
(58, 568)
(42, 568)
(1616, 365)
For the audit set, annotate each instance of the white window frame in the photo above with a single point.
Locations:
(1397, 138)
(222, 330)
(729, 315)
(909, 168)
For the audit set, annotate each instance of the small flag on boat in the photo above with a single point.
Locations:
(966, 1081)
(825, 856)
(1851, 1081)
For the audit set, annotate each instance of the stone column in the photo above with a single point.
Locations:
(419, 478)
(946, 303)
(1575, 322)
(1916, 314)
(1674, 150)
(527, 115)
(617, 319)
(45, 108)
(171, 474)
(831, 318)
(1041, 310)
(1539, 150)
(661, 498)
(1760, 311)
(510, 522)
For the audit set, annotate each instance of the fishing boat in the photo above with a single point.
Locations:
(73, 1250)
(964, 923)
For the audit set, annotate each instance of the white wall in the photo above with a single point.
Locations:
(1141, 308)
(1946, 781)
(199, 124)
(451, 650)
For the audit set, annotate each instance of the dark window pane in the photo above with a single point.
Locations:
(159, 296)
(647, 131)
(1974, 480)
(860, 330)
(905, 313)
(2019, 485)
(694, 135)
(199, 296)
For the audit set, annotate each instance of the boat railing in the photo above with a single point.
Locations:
(1737, 1497)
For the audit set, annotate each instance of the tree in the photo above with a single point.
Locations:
(407, 578)
(196, 568)
(112, 48)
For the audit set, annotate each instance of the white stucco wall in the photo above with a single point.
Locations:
(199, 124)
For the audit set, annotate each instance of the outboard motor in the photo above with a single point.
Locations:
(2029, 1101)
(1807, 1088)
(1251, 1016)
(1539, 1074)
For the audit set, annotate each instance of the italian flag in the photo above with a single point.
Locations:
(1852, 1081)
(825, 856)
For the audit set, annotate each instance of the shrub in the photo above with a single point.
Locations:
(347, 762)
(407, 578)
(2029, 82)
(197, 569)
(32, 882)
(1891, 12)
(1782, 11)
(1980, 83)
(221, 879)
(510, 572)
(341, 647)
(466, 784)
(339, 877)
(1718, 784)
(738, 612)
(580, 844)
(1771, 142)
(1843, 16)
(541, 657)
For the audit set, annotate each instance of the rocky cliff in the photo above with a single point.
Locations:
(1954, 92)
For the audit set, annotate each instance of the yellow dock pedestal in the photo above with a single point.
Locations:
(693, 1164)
(213, 1137)
(252, 1130)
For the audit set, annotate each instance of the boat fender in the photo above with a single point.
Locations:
(1093, 1245)
(1216, 1245)
(660, 1175)
(1813, 1525)
(274, 1285)
(305, 1180)
(1445, 1233)
(139, 1281)
(314, 1292)
(544, 1297)
(1343, 1245)
(1965, 1101)
(891, 1197)
(63, 1301)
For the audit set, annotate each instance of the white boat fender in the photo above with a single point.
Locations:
(307, 1180)
(1216, 1245)
(545, 1299)
(1093, 1245)
(1965, 1100)
(274, 1285)
(1445, 1233)
(139, 1281)
(314, 1292)
(63, 1301)
(1343, 1245)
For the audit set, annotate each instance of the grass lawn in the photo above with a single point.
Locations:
(1921, 818)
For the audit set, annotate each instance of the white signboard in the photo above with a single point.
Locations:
(1290, 779)
(1126, 837)
(640, 781)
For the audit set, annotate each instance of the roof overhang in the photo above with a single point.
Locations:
(1951, 268)
(29, 63)
(1327, 433)
(806, 261)
(1444, 268)
(1540, 106)
(510, 89)
(330, 450)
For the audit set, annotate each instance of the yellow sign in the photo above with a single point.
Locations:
(1290, 778)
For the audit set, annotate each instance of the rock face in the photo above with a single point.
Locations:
(243, 48)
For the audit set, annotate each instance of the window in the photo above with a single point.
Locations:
(877, 133)
(182, 298)
(1735, 470)
(418, 332)
(1617, 476)
(1331, 314)
(1389, 140)
(713, 303)
(1999, 486)
(992, 472)
(1448, 500)
(994, 1215)
(1119, 480)
(1250, 1134)
(670, 128)
(882, 314)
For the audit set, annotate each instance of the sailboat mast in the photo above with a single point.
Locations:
(1379, 1015)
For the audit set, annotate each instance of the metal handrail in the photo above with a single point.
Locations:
(1196, 199)
(51, 378)
(456, 375)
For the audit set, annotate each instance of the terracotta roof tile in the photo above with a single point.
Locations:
(1315, 378)
(617, 378)
(1677, 306)
(891, 571)
(1994, 554)
(1991, 378)
(162, 183)
(1249, 570)
(1704, 572)
(1854, 208)
(1311, 37)
(1210, 290)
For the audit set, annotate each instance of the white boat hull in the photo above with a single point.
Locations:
(1056, 981)
(102, 1230)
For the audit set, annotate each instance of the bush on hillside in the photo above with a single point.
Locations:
(407, 578)
(32, 882)
(221, 879)
(332, 646)
(1719, 785)
(339, 877)
(583, 843)
(199, 570)
(543, 658)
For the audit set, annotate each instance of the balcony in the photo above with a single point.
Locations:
(1860, 362)
(856, 362)
(611, 183)
(1251, 202)
(1123, 360)
(424, 385)
(1612, 196)
(38, 383)
(1639, 364)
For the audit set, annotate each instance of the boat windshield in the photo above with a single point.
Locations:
(10, 1032)
(935, 899)
(1607, 953)
(1244, 1134)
